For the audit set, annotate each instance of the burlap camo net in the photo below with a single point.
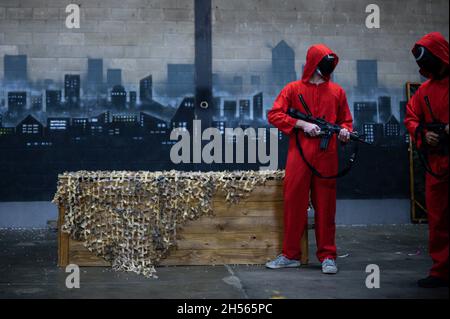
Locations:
(131, 218)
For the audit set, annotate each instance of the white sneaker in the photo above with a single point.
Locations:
(282, 262)
(329, 266)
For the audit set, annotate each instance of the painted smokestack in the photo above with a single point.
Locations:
(203, 62)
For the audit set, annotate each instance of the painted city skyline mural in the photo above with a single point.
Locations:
(95, 121)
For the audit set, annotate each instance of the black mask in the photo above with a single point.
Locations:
(427, 61)
(326, 65)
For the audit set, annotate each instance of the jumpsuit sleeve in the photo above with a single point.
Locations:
(277, 115)
(344, 116)
(413, 115)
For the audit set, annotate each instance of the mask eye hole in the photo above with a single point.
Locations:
(419, 53)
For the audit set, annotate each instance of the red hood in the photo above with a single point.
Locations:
(315, 54)
(436, 43)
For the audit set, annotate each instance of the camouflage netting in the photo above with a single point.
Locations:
(131, 218)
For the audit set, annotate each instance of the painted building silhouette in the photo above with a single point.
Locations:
(367, 76)
(94, 80)
(15, 68)
(72, 90)
(53, 100)
(113, 77)
(118, 97)
(146, 89)
(258, 106)
(17, 102)
(364, 112)
(180, 79)
(283, 64)
(384, 108)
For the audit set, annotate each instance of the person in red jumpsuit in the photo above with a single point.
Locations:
(431, 54)
(325, 100)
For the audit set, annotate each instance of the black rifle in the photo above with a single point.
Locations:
(327, 130)
(437, 127)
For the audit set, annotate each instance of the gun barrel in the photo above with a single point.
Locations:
(435, 126)
(358, 138)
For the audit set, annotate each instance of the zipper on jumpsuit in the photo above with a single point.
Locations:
(315, 114)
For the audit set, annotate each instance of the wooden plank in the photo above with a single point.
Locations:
(250, 209)
(304, 244)
(84, 258)
(189, 241)
(220, 257)
(220, 241)
(81, 256)
(88, 259)
(273, 182)
(209, 225)
(259, 194)
(63, 240)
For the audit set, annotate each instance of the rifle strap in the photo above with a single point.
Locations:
(423, 156)
(342, 173)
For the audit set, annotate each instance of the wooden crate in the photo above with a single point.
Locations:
(250, 232)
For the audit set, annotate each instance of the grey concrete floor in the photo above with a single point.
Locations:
(28, 270)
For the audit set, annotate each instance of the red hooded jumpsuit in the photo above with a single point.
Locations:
(326, 100)
(436, 190)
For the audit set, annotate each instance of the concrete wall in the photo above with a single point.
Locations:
(243, 38)
(135, 35)
(145, 35)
